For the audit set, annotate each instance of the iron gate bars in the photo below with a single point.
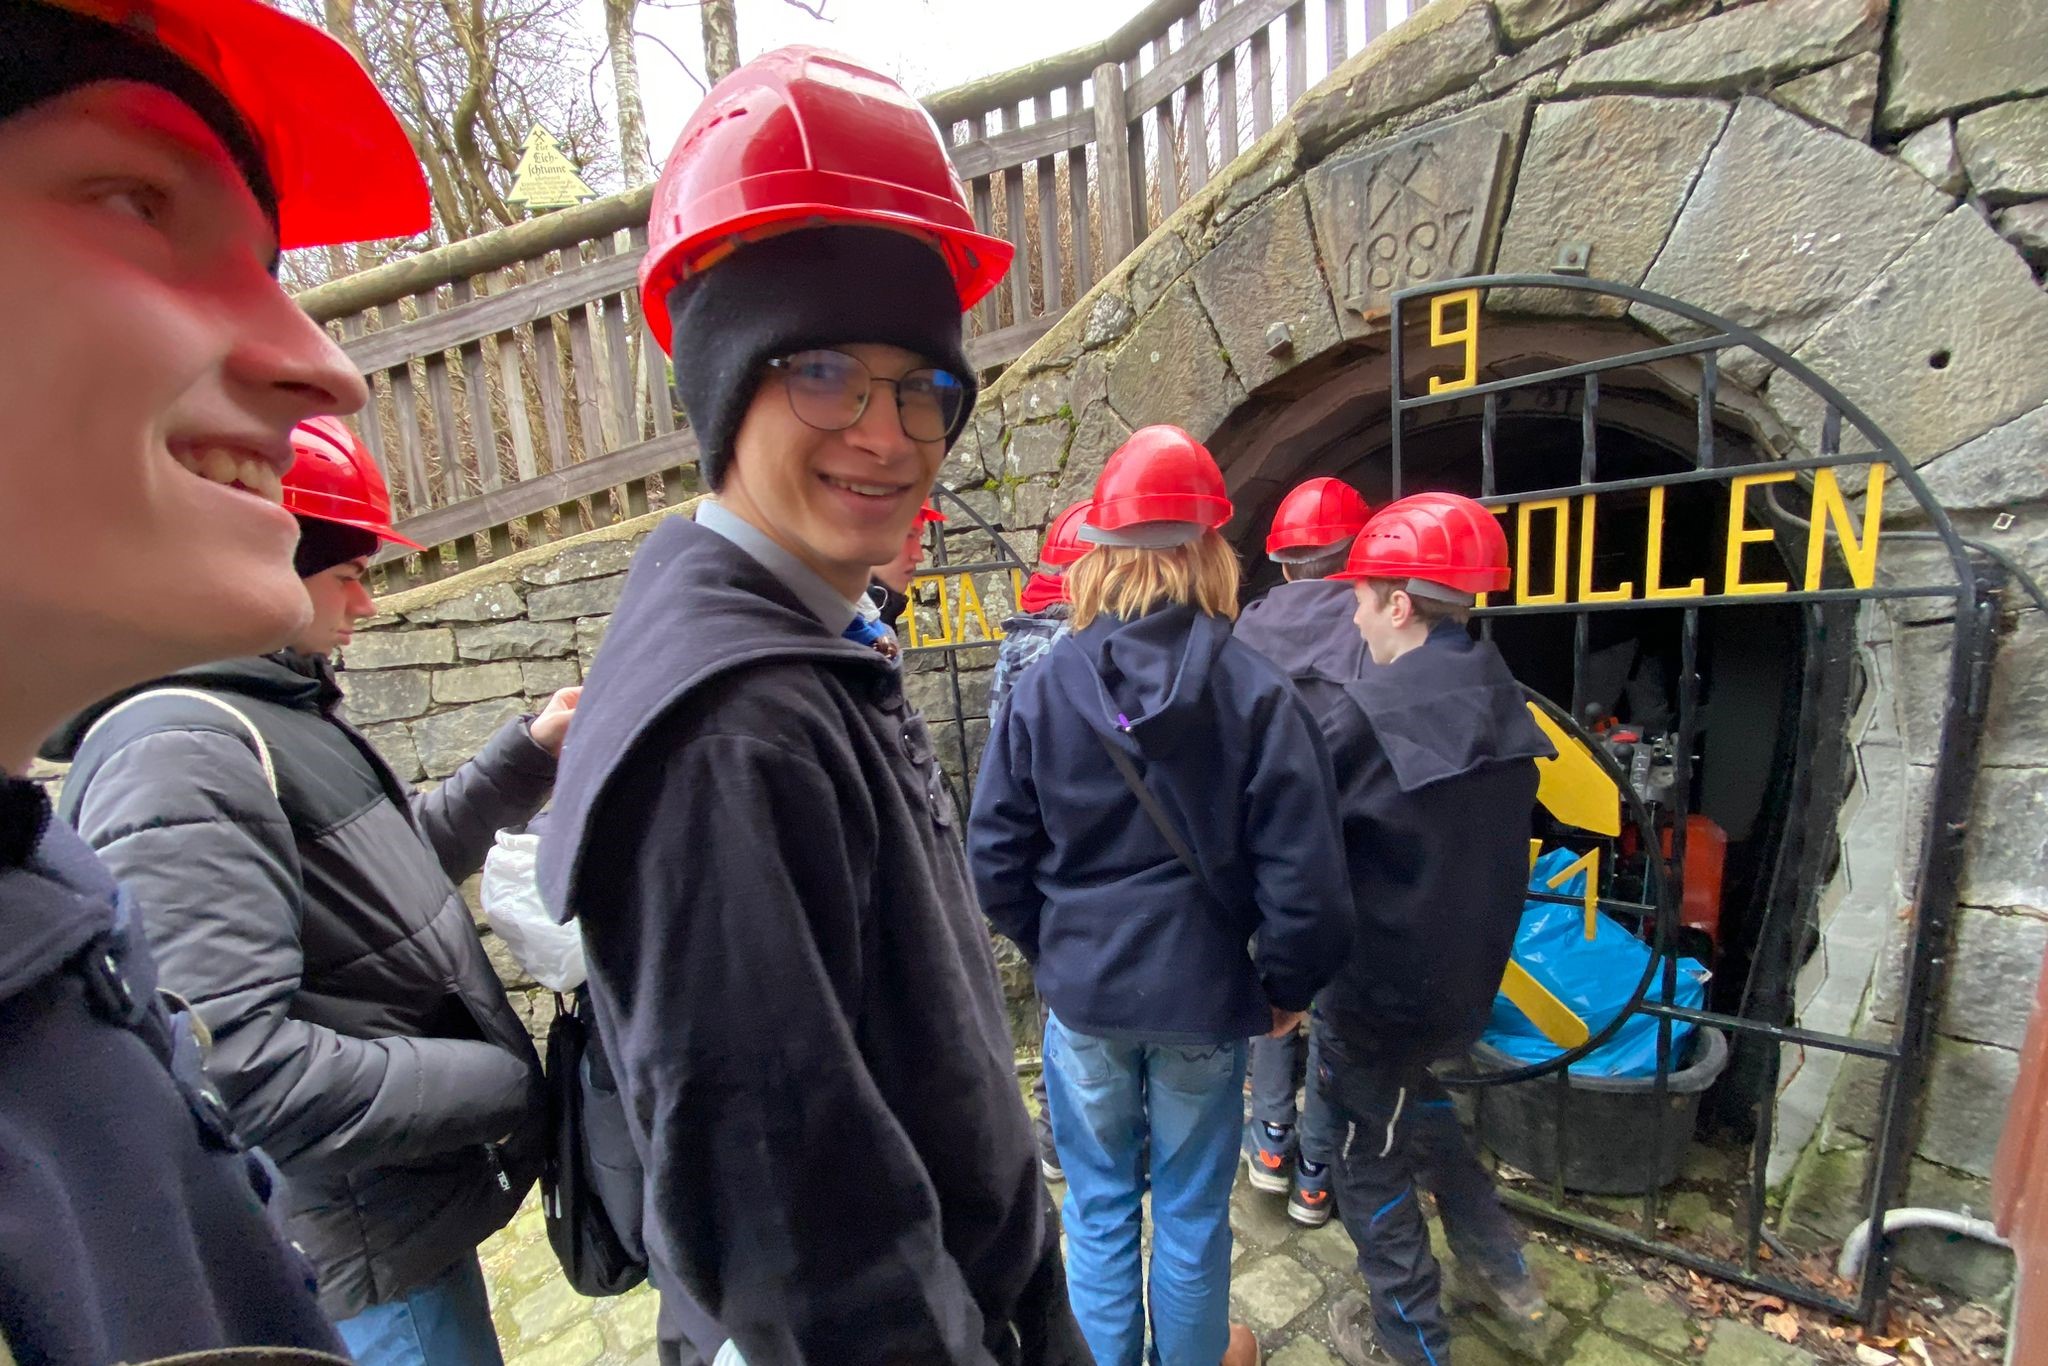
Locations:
(1904, 1057)
(950, 647)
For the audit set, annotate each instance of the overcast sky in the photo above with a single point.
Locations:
(926, 44)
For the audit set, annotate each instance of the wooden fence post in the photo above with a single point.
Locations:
(1113, 164)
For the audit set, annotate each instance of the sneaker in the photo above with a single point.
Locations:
(1352, 1334)
(1243, 1348)
(1269, 1154)
(1516, 1301)
(1309, 1203)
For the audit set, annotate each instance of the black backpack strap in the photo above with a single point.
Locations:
(1156, 813)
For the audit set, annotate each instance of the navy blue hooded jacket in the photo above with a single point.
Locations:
(797, 997)
(1433, 755)
(133, 1225)
(1122, 938)
(1305, 627)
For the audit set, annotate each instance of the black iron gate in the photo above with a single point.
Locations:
(1840, 564)
(949, 618)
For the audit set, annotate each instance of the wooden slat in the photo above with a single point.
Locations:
(1226, 87)
(592, 422)
(476, 389)
(412, 452)
(618, 361)
(1297, 53)
(554, 397)
(485, 317)
(1168, 165)
(1077, 201)
(985, 312)
(1113, 166)
(441, 399)
(1048, 218)
(1000, 348)
(1335, 38)
(1232, 28)
(1195, 133)
(1262, 84)
(536, 496)
(1141, 206)
(1015, 146)
(512, 384)
(368, 423)
(654, 364)
(1013, 202)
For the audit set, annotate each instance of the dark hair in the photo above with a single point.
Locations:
(1428, 611)
(1321, 567)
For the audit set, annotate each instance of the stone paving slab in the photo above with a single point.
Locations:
(1284, 1279)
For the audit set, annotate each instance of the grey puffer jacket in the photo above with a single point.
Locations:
(359, 1032)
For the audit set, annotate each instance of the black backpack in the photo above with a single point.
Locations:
(591, 1182)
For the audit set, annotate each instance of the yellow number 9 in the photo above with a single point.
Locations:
(1468, 334)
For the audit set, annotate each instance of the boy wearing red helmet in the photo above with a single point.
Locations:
(1433, 751)
(1154, 799)
(154, 157)
(888, 596)
(795, 989)
(306, 903)
(1304, 626)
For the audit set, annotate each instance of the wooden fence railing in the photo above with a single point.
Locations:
(518, 395)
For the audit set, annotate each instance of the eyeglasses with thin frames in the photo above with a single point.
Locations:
(829, 390)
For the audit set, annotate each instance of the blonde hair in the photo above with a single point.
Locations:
(1127, 582)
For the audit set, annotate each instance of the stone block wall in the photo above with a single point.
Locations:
(443, 666)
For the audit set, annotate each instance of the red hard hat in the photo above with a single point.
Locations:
(1160, 475)
(334, 478)
(1439, 538)
(800, 137)
(338, 158)
(1315, 517)
(1063, 543)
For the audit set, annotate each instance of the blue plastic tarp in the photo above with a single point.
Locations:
(1595, 977)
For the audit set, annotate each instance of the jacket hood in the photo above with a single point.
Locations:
(1305, 627)
(695, 606)
(1447, 708)
(55, 895)
(286, 677)
(1146, 676)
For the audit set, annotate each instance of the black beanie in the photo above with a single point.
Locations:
(815, 287)
(324, 544)
(46, 51)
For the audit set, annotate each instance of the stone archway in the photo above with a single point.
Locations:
(1827, 172)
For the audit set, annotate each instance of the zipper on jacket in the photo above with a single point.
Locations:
(497, 1167)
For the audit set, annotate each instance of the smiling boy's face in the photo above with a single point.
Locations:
(151, 372)
(842, 502)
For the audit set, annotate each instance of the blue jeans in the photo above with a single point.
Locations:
(446, 1322)
(1275, 1063)
(1108, 1096)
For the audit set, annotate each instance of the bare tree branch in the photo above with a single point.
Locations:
(654, 39)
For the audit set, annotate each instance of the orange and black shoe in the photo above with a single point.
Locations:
(1310, 1202)
(1269, 1155)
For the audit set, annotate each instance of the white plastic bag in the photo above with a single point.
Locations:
(511, 896)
